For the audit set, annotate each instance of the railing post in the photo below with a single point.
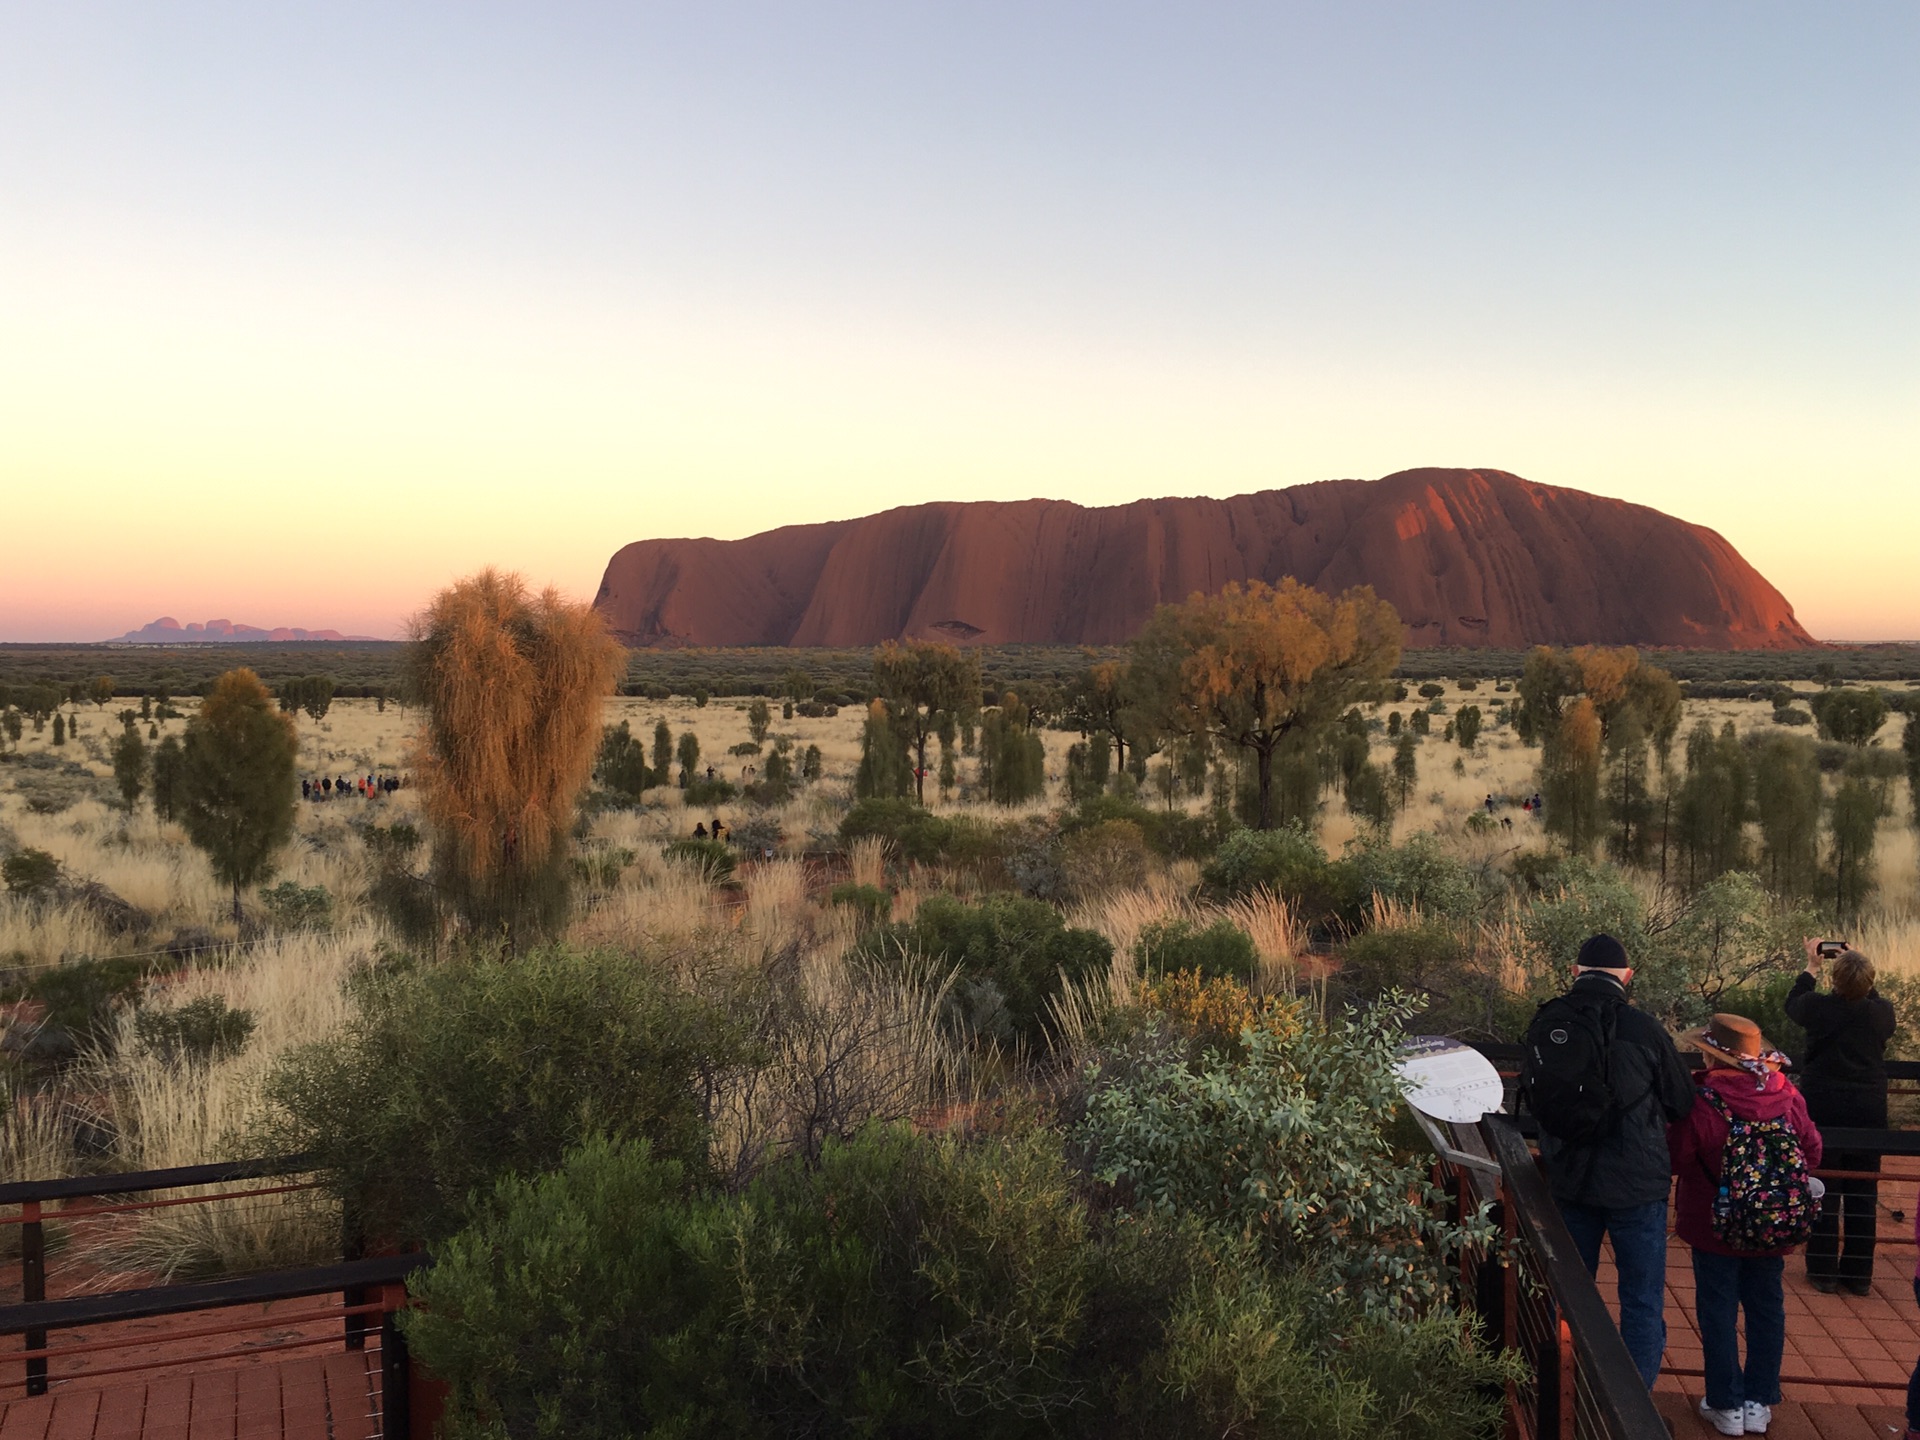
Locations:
(33, 1287)
(396, 1370)
(353, 1247)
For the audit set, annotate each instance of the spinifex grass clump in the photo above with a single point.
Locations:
(512, 687)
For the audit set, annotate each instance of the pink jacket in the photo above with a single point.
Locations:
(1695, 1144)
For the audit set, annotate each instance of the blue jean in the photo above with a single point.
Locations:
(1640, 1255)
(1723, 1287)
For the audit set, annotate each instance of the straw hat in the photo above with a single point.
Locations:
(1737, 1041)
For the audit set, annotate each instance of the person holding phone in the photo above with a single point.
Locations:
(1844, 1080)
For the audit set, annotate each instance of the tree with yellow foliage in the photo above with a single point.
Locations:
(511, 686)
(1257, 666)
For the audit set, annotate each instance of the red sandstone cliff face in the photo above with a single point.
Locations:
(1468, 557)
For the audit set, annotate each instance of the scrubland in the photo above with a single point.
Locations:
(290, 981)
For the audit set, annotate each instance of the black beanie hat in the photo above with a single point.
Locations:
(1603, 952)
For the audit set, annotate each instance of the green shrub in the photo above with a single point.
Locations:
(714, 858)
(1011, 954)
(1412, 958)
(30, 873)
(196, 1033)
(82, 999)
(702, 792)
(291, 906)
(1220, 950)
(1109, 856)
(907, 1285)
(453, 1075)
(1287, 1146)
(869, 902)
(1288, 862)
(1420, 872)
(914, 832)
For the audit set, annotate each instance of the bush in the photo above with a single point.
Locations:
(702, 792)
(1288, 862)
(82, 1000)
(1221, 950)
(291, 906)
(914, 832)
(1011, 954)
(196, 1033)
(713, 858)
(1289, 1147)
(907, 1285)
(1109, 856)
(452, 1076)
(30, 873)
(869, 902)
(1409, 958)
(1421, 872)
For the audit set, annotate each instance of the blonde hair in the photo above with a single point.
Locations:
(1852, 975)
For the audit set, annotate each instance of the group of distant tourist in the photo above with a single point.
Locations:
(1622, 1117)
(367, 787)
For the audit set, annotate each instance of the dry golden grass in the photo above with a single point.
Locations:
(876, 1037)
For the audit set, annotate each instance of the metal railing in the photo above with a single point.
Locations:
(356, 1299)
(1535, 1298)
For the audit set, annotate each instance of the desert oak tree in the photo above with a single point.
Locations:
(237, 780)
(1257, 665)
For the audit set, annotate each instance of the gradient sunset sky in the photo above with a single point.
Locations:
(306, 309)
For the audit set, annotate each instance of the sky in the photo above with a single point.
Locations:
(307, 309)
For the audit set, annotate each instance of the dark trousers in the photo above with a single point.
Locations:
(1851, 1207)
(1639, 1234)
(1723, 1287)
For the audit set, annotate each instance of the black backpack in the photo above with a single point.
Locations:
(1566, 1074)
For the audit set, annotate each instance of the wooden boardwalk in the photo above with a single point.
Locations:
(326, 1397)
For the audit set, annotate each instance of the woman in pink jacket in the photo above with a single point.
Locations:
(1742, 1081)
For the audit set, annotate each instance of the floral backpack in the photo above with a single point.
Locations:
(1765, 1201)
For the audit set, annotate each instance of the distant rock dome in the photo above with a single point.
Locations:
(1468, 558)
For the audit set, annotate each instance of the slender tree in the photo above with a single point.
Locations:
(1255, 666)
(1853, 826)
(130, 765)
(1466, 726)
(922, 681)
(687, 752)
(662, 751)
(885, 772)
(1787, 799)
(512, 686)
(1570, 777)
(237, 781)
(1013, 762)
(1406, 767)
(100, 691)
(759, 720)
(1712, 804)
(169, 768)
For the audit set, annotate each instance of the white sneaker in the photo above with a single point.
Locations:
(1758, 1417)
(1727, 1422)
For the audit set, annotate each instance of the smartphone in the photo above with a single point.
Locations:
(1827, 949)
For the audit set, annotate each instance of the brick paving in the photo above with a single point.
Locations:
(1871, 1341)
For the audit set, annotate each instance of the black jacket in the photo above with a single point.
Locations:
(1844, 1074)
(1630, 1166)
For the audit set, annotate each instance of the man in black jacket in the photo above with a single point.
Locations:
(1617, 1185)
